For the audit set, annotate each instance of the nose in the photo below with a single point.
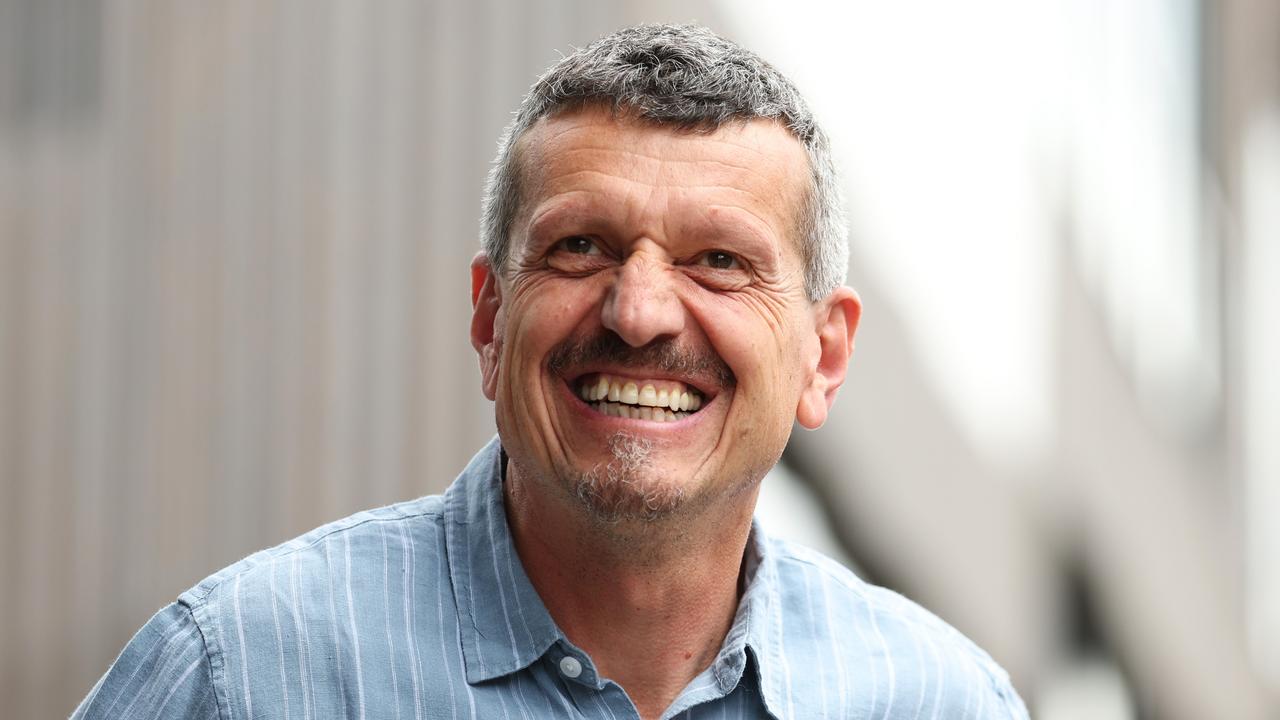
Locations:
(642, 305)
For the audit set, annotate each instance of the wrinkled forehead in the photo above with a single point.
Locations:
(778, 163)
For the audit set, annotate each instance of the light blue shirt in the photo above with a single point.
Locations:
(423, 610)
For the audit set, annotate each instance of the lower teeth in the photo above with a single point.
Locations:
(638, 412)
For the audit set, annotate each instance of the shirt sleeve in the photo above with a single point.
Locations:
(163, 672)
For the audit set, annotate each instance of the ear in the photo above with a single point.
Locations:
(486, 300)
(835, 322)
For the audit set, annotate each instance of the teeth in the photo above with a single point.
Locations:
(630, 394)
(648, 396)
(619, 398)
(641, 412)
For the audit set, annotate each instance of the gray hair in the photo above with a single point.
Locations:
(690, 78)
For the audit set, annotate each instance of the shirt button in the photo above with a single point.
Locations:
(570, 666)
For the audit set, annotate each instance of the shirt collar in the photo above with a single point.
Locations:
(753, 640)
(502, 621)
(505, 627)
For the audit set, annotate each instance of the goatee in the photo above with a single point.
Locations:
(624, 489)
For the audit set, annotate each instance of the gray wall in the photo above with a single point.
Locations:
(234, 240)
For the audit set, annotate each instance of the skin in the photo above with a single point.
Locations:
(655, 236)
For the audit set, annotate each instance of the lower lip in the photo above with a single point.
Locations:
(594, 415)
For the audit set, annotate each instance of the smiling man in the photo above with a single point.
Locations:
(659, 298)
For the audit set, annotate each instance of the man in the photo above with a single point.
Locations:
(658, 297)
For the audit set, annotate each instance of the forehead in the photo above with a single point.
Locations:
(758, 164)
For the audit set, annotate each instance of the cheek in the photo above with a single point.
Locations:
(758, 340)
(542, 314)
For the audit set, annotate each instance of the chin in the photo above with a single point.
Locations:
(626, 486)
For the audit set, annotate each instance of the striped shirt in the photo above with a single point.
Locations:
(422, 610)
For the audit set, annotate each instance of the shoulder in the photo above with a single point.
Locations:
(206, 652)
(273, 597)
(269, 619)
(163, 672)
(348, 557)
(912, 659)
(318, 556)
(808, 577)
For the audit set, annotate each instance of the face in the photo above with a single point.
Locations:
(650, 341)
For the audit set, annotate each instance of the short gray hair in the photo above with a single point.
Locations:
(690, 78)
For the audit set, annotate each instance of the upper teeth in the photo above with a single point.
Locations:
(659, 394)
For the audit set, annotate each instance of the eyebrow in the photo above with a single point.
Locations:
(559, 208)
(752, 236)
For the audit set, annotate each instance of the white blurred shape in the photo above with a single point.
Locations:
(1090, 688)
(1137, 200)
(934, 111)
(1261, 397)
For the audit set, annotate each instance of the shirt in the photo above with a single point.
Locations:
(423, 610)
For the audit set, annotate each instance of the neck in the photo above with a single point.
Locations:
(650, 601)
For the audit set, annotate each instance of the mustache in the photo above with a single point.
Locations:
(665, 355)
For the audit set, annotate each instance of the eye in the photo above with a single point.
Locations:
(578, 255)
(720, 260)
(578, 245)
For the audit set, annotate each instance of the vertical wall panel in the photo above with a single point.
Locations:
(234, 241)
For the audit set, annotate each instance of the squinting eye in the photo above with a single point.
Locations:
(579, 245)
(720, 260)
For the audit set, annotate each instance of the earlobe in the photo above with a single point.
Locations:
(486, 300)
(836, 322)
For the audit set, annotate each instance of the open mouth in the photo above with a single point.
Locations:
(653, 400)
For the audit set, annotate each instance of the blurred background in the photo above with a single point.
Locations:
(234, 240)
